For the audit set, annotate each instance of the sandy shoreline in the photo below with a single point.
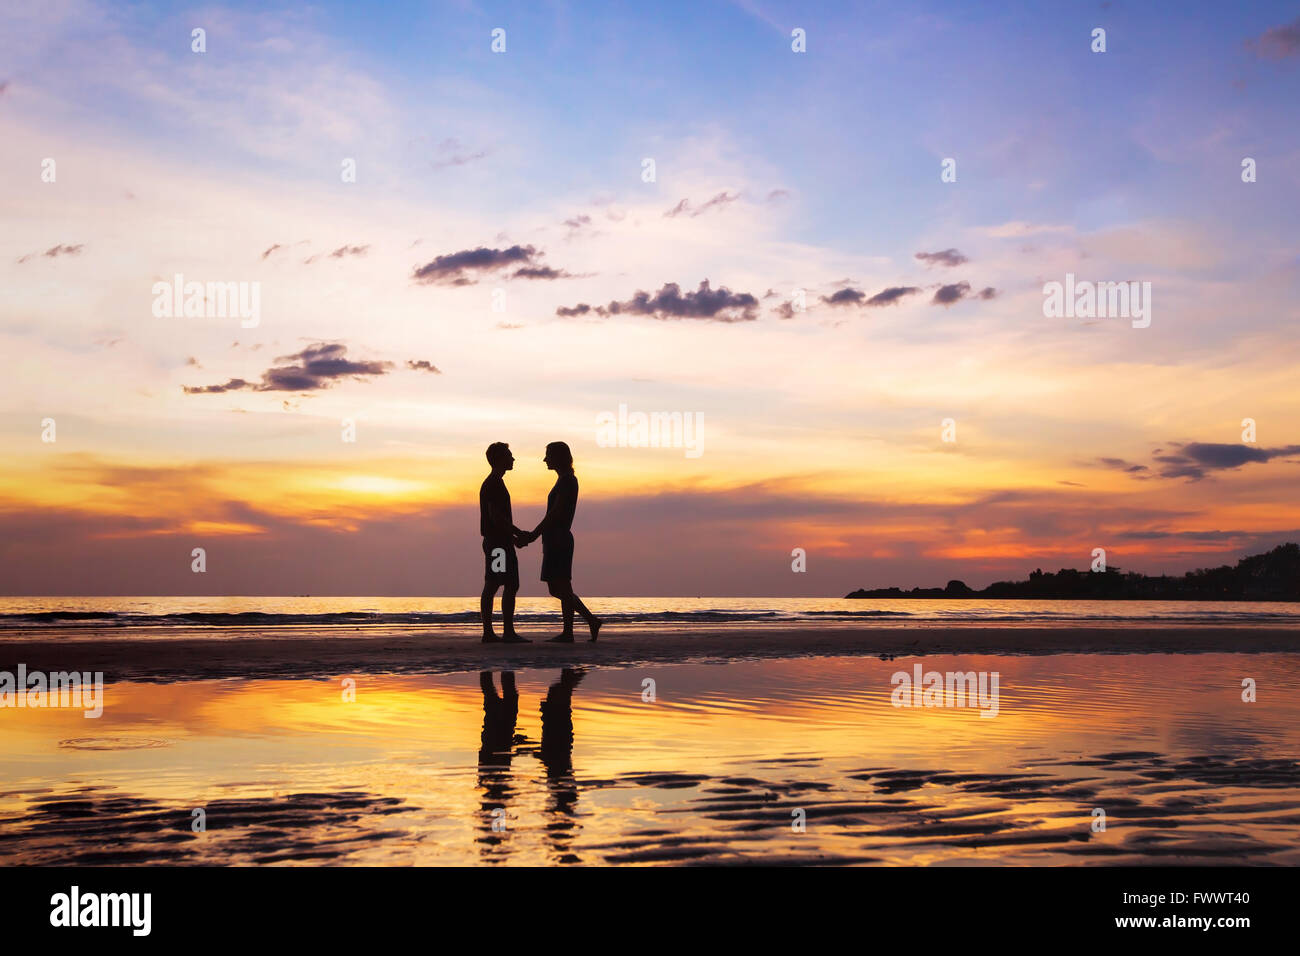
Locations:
(252, 653)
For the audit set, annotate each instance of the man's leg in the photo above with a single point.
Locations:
(508, 610)
(485, 610)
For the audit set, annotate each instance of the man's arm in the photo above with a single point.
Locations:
(497, 518)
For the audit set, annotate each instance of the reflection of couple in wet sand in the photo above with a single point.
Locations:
(501, 537)
(497, 747)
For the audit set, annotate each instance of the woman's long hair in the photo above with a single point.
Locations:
(561, 452)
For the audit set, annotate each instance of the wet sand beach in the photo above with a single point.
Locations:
(197, 653)
(778, 761)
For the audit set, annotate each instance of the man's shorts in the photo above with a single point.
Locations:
(493, 558)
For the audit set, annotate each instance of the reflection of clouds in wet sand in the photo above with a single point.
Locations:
(1208, 818)
(412, 771)
(1206, 809)
(100, 827)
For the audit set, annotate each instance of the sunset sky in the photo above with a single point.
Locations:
(520, 173)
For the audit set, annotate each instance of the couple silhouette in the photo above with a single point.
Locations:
(501, 537)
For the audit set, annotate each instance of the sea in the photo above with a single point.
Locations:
(19, 614)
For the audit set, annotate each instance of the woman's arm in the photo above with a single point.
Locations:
(559, 512)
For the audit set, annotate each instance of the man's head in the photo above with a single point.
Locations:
(499, 457)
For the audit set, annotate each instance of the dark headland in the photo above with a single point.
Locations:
(1272, 576)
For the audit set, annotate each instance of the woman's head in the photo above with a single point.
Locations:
(558, 457)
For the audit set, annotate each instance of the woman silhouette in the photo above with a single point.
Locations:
(557, 541)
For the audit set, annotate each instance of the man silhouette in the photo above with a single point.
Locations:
(501, 565)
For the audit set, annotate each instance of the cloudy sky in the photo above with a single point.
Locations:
(501, 269)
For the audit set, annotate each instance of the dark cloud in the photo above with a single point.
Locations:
(947, 257)
(342, 251)
(777, 194)
(845, 297)
(784, 311)
(1195, 460)
(988, 292)
(274, 246)
(455, 268)
(423, 365)
(891, 295)
(577, 222)
(713, 305)
(948, 294)
(1277, 43)
(315, 367)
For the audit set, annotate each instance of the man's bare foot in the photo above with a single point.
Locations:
(595, 628)
(565, 638)
(513, 638)
(490, 637)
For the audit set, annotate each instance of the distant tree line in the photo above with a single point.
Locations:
(1272, 576)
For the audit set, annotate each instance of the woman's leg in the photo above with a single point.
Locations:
(563, 592)
(575, 604)
(570, 602)
(566, 606)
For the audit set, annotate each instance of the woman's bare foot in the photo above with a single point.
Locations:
(595, 628)
(565, 638)
(490, 637)
(513, 638)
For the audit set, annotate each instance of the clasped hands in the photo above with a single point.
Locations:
(524, 538)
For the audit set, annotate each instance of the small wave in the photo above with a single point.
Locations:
(758, 616)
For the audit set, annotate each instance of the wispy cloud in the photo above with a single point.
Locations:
(450, 152)
(55, 251)
(684, 207)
